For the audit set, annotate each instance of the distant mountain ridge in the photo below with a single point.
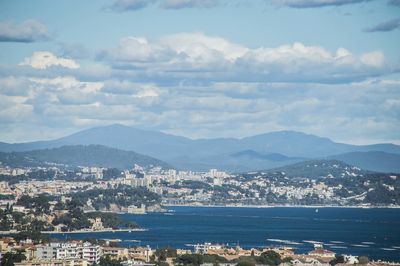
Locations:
(79, 155)
(277, 157)
(223, 153)
(318, 168)
(377, 161)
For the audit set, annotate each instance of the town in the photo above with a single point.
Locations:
(106, 252)
(336, 184)
(36, 202)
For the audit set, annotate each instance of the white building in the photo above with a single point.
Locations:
(91, 253)
(86, 251)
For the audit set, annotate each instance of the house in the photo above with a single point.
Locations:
(307, 261)
(322, 253)
(97, 224)
(137, 210)
(141, 253)
(6, 243)
(116, 252)
(135, 263)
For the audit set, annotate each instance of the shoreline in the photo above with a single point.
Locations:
(81, 231)
(96, 231)
(283, 206)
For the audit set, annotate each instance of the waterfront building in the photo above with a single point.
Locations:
(137, 210)
(319, 252)
(306, 261)
(97, 224)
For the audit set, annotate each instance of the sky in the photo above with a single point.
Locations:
(201, 68)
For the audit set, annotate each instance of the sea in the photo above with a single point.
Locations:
(374, 232)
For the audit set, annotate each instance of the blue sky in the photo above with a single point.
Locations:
(201, 68)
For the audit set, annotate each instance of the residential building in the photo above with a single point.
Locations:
(53, 262)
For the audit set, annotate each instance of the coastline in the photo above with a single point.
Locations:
(283, 206)
(81, 231)
(97, 231)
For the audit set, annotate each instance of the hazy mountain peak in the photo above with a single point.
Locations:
(203, 154)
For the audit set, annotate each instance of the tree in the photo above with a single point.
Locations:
(190, 259)
(10, 258)
(5, 223)
(163, 253)
(246, 263)
(35, 236)
(270, 257)
(287, 260)
(107, 261)
(336, 260)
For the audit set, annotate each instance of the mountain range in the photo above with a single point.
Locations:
(263, 151)
(79, 155)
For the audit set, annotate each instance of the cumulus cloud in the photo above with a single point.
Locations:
(179, 4)
(44, 59)
(374, 59)
(218, 109)
(129, 5)
(385, 26)
(316, 3)
(133, 5)
(27, 31)
(198, 57)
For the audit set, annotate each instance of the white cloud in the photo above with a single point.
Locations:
(69, 82)
(178, 4)
(199, 57)
(374, 59)
(224, 109)
(44, 59)
(128, 5)
(198, 46)
(27, 31)
(133, 5)
(316, 3)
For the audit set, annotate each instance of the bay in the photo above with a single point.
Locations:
(374, 232)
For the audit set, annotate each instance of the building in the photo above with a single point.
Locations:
(140, 253)
(97, 224)
(68, 251)
(115, 252)
(206, 247)
(135, 263)
(137, 210)
(91, 253)
(322, 253)
(305, 261)
(53, 262)
(74, 250)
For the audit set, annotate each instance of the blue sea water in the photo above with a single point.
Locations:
(372, 232)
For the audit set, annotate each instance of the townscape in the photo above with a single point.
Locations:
(105, 252)
(36, 202)
(312, 183)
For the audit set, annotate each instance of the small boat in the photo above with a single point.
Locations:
(316, 210)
